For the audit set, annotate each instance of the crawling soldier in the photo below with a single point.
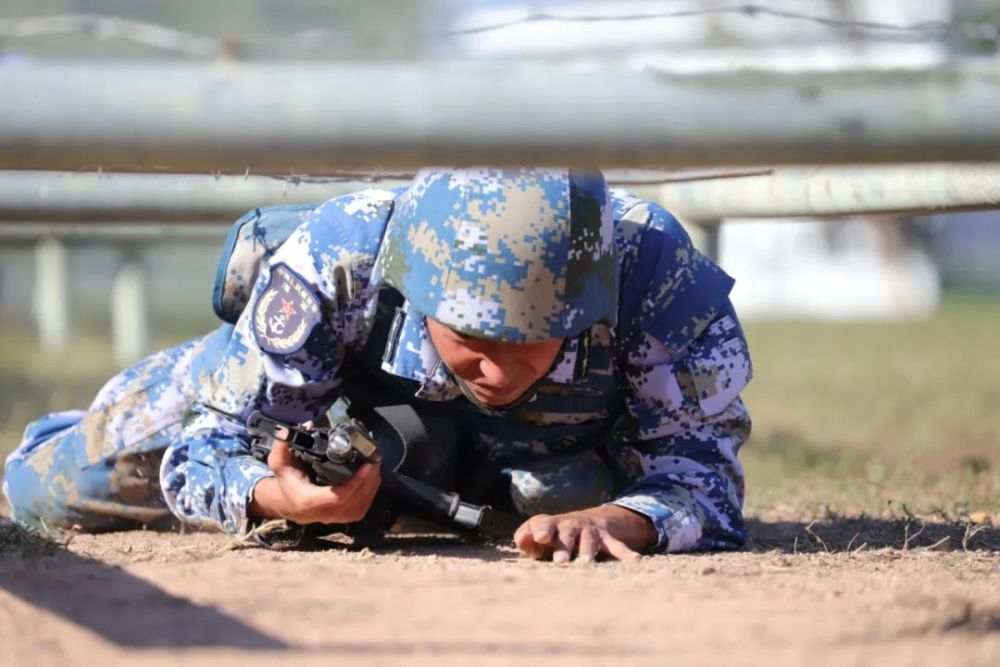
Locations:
(575, 360)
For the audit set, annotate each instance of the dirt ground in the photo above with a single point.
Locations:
(836, 591)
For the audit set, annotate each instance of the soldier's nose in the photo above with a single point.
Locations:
(493, 373)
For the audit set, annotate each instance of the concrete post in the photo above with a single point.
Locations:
(129, 308)
(51, 298)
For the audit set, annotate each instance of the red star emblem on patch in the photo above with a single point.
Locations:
(287, 308)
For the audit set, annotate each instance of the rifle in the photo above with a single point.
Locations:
(334, 454)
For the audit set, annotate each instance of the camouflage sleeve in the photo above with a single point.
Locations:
(686, 363)
(688, 424)
(311, 304)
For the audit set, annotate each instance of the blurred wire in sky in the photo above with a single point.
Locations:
(476, 19)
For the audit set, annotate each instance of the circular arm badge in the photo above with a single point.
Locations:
(286, 312)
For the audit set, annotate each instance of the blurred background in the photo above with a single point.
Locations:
(875, 335)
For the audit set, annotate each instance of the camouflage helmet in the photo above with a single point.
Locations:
(518, 255)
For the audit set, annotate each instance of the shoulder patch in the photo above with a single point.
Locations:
(286, 312)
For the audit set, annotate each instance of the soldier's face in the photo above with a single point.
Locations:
(497, 373)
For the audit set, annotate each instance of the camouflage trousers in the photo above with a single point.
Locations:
(98, 470)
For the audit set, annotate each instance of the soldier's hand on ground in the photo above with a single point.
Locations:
(291, 495)
(586, 535)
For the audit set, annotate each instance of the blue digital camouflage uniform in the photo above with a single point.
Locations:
(642, 407)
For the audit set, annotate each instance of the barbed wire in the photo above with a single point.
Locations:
(380, 176)
(192, 44)
(747, 10)
(108, 27)
(335, 177)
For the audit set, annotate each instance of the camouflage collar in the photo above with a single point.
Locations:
(410, 354)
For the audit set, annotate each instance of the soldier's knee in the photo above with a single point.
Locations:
(33, 499)
(48, 476)
(29, 471)
(561, 484)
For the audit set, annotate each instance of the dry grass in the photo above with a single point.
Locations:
(18, 542)
(872, 419)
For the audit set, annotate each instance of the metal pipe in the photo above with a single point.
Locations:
(98, 232)
(61, 196)
(68, 196)
(831, 191)
(313, 118)
(55, 197)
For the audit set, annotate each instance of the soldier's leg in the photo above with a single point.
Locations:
(99, 470)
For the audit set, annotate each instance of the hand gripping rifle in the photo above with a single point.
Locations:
(336, 452)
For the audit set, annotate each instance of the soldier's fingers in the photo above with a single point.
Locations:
(565, 541)
(361, 497)
(522, 534)
(330, 504)
(283, 462)
(280, 456)
(530, 530)
(589, 545)
(353, 509)
(303, 501)
(524, 540)
(336, 509)
(533, 550)
(543, 529)
(301, 495)
(364, 479)
(618, 549)
(313, 496)
(365, 494)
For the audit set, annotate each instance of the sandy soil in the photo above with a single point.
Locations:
(834, 592)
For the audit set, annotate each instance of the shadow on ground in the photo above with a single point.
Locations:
(836, 534)
(118, 606)
(131, 612)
